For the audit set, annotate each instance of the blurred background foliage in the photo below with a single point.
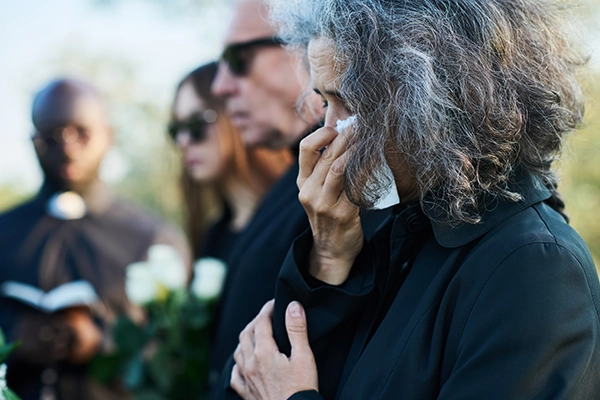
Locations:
(580, 171)
(144, 166)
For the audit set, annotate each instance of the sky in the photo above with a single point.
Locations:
(35, 35)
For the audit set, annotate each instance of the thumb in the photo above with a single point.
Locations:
(295, 323)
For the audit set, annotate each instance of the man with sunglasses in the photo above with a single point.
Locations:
(73, 229)
(261, 83)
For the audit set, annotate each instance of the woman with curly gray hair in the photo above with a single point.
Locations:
(476, 288)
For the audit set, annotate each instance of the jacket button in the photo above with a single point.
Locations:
(416, 223)
(49, 376)
(48, 393)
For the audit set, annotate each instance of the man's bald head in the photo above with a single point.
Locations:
(249, 21)
(66, 99)
(72, 133)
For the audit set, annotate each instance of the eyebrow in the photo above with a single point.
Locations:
(329, 92)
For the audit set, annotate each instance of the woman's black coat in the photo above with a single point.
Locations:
(504, 309)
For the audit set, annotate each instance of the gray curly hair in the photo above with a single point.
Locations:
(467, 90)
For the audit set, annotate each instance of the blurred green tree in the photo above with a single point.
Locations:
(581, 172)
(10, 197)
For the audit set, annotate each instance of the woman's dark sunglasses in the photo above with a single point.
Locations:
(195, 125)
(239, 64)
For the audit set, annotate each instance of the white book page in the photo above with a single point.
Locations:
(70, 294)
(27, 294)
(77, 293)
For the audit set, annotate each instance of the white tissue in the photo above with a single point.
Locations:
(342, 124)
(391, 197)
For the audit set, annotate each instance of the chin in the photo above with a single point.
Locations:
(203, 176)
(255, 137)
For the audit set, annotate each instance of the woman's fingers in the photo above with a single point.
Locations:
(333, 185)
(310, 151)
(328, 158)
(295, 324)
(238, 383)
(265, 373)
(322, 189)
(325, 195)
(238, 355)
(246, 346)
(263, 327)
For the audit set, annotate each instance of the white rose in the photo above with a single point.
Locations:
(140, 284)
(2, 380)
(209, 276)
(167, 266)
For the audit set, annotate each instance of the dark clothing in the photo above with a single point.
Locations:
(504, 309)
(221, 241)
(45, 252)
(254, 267)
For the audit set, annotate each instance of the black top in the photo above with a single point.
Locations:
(255, 265)
(221, 240)
(505, 309)
(45, 252)
(253, 268)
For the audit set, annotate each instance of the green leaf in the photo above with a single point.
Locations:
(2, 339)
(9, 394)
(149, 395)
(134, 373)
(160, 369)
(105, 368)
(6, 350)
(129, 337)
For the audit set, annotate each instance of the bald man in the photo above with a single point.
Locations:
(74, 229)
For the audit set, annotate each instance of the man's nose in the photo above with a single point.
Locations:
(71, 151)
(224, 84)
(68, 141)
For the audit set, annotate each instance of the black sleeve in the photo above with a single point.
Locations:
(306, 395)
(333, 312)
(8, 318)
(222, 390)
(537, 338)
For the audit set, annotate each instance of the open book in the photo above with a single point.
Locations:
(76, 293)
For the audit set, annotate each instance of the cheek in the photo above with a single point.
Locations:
(274, 79)
(94, 151)
(334, 114)
(211, 154)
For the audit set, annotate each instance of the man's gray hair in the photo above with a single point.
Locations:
(465, 91)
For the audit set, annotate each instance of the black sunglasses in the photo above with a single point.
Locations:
(195, 125)
(238, 62)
